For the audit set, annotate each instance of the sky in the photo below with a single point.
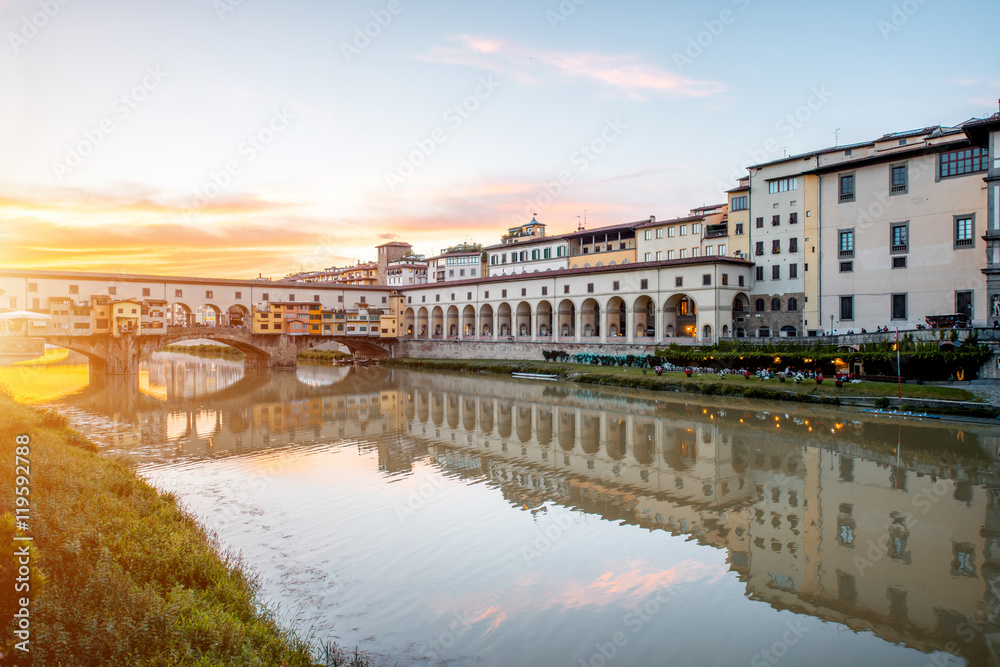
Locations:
(237, 138)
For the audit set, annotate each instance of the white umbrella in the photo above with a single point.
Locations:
(23, 315)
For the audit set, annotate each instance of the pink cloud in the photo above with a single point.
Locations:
(624, 72)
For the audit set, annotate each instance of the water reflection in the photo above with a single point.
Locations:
(881, 526)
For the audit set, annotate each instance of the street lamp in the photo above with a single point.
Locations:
(831, 324)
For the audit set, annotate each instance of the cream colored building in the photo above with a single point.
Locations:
(901, 230)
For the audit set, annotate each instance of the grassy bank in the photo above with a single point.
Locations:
(129, 577)
(322, 356)
(730, 385)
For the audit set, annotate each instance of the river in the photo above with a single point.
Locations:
(466, 519)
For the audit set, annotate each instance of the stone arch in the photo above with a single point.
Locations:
(706, 331)
(617, 434)
(789, 332)
(567, 431)
(423, 323)
(591, 318)
(469, 413)
(590, 434)
(469, 321)
(409, 323)
(617, 319)
(644, 442)
(523, 322)
(238, 316)
(179, 314)
(758, 305)
(524, 423)
(543, 426)
(437, 322)
(486, 416)
(644, 314)
(486, 320)
(451, 322)
(775, 304)
(543, 318)
(504, 320)
(566, 323)
(681, 313)
(211, 315)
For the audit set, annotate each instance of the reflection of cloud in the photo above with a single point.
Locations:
(629, 587)
(625, 72)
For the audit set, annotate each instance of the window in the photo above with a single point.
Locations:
(847, 308)
(486, 294)
(740, 281)
(759, 305)
(670, 232)
(899, 306)
(546, 254)
(659, 232)
(659, 255)
(966, 161)
(709, 250)
(725, 278)
(847, 243)
(846, 267)
(12, 300)
(679, 281)
(776, 304)
(847, 187)
(315, 298)
(898, 237)
(684, 230)
(468, 295)
(503, 294)
(760, 223)
(112, 290)
(670, 254)
(208, 294)
(739, 229)
(776, 246)
(682, 253)
(32, 287)
(451, 273)
(614, 286)
(897, 179)
(239, 295)
(644, 283)
(899, 262)
(590, 288)
(524, 291)
(437, 297)
(560, 251)
(648, 257)
(760, 273)
(722, 248)
(362, 299)
(793, 303)
(177, 292)
(964, 231)
(793, 244)
(793, 271)
(340, 298)
(267, 297)
(695, 228)
(706, 279)
(648, 235)
(759, 248)
(291, 297)
(740, 203)
(775, 220)
(565, 289)
(776, 272)
(782, 185)
(793, 218)
(694, 252)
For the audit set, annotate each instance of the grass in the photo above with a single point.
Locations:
(322, 356)
(125, 576)
(702, 383)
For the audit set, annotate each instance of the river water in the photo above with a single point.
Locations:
(466, 519)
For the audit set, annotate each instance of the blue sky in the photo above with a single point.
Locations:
(230, 138)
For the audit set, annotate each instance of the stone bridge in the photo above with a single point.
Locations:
(121, 355)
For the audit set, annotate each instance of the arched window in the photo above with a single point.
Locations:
(775, 303)
(738, 306)
(793, 303)
(759, 305)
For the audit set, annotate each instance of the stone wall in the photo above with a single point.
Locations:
(22, 346)
(424, 349)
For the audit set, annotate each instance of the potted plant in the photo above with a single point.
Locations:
(819, 379)
(689, 372)
(658, 370)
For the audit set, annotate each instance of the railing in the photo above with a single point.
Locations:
(847, 253)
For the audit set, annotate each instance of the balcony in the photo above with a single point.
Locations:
(847, 253)
(899, 247)
(715, 231)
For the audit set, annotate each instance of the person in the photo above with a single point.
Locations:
(996, 324)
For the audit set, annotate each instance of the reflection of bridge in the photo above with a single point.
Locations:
(794, 497)
(120, 355)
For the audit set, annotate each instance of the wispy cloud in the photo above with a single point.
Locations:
(627, 73)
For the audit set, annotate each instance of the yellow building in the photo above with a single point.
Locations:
(126, 315)
(739, 219)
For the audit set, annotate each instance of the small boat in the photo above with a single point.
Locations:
(535, 376)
